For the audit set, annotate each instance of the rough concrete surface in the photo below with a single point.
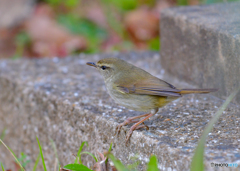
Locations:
(200, 45)
(66, 101)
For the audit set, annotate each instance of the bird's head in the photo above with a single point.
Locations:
(110, 67)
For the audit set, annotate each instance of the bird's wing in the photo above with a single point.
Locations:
(150, 86)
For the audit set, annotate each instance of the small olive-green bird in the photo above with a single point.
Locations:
(136, 89)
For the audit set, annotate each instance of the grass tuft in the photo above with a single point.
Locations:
(36, 162)
(2, 167)
(78, 158)
(40, 149)
(153, 164)
(12, 153)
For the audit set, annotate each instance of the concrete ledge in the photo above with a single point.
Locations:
(65, 100)
(201, 45)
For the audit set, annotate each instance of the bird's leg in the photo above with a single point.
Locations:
(130, 120)
(136, 125)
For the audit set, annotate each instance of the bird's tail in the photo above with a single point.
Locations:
(190, 91)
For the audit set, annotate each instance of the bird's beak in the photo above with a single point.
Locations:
(91, 64)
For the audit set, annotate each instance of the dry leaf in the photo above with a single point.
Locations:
(102, 165)
(48, 37)
(95, 13)
(142, 24)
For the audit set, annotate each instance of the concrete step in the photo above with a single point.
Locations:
(66, 101)
(200, 45)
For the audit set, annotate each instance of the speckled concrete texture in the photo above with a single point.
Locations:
(200, 45)
(66, 101)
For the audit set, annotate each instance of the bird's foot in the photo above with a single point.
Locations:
(137, 126)
(134, 127)
(126, 122)
(128, 136)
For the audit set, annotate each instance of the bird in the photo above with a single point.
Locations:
(136, 89)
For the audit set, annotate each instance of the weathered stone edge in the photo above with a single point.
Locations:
(30, 119)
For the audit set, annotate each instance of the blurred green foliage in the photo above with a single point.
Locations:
(154, 44)
(93, 33)
(23, 159)
(22, 40)
(67, 3)
(123, 5)
(71, 3)
(127, 5)
(114, 35)
(182, 2)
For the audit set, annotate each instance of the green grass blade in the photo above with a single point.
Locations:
(2, 167)
(40, 149)
(85, 152)
(117, 163)
(78, 158)
(12, 153)
(197, 161)
(36, 162)
(153, 164)
(55, 152)
(77, 167)
(18, 162)
(109, 150)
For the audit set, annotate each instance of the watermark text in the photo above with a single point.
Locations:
(224, 165)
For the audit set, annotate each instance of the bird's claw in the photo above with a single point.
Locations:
(142, 126)
(118, 129)
(128, 136)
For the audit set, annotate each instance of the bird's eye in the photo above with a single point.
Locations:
(103, 67)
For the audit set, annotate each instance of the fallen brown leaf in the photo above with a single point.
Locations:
(48, 37)
(142, 24)
(94, 12)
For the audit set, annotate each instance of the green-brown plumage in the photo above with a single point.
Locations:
(137, 89)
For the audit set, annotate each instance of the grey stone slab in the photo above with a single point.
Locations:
(201, 45)
(66, 101)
